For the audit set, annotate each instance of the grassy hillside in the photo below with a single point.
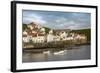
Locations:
(47, 29)
(87, 32)
(25, 27)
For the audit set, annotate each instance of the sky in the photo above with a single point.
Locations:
(58, 19)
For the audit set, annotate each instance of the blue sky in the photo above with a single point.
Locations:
(58, 20)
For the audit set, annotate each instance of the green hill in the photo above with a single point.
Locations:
(87, 32)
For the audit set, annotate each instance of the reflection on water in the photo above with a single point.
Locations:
(55, 54)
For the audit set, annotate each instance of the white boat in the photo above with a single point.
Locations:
(46, 52)
(59, 53)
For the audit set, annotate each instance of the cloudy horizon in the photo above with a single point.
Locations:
(58, 20)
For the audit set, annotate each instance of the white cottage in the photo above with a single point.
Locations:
(63, 35)
(50, 36)
(42, 30)
(38, 39)
(25, 33)
(27, 39)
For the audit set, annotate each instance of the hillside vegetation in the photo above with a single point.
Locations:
(87, 32)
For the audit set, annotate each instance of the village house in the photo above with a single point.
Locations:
(25, 37)
(57, 38)
(37, 34)
(50, 36)
(63, 35)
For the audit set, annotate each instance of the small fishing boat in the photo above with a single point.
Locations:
(46, 52)
(59, 53)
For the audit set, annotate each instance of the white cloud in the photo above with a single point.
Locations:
(64, 23)
(34, 18)
(75, 21)
(61, 20)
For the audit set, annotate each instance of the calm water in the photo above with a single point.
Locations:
(57, 54)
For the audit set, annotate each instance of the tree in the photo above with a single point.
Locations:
(25, 27)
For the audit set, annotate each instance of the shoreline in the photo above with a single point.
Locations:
(55, 47)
